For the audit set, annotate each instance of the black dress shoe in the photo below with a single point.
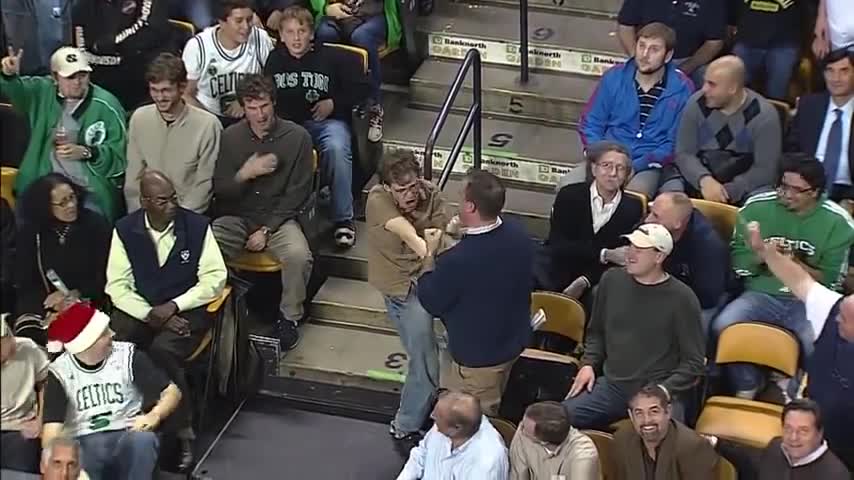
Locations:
(186, 458)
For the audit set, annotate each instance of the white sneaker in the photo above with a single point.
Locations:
(345, 236)
(375, 122)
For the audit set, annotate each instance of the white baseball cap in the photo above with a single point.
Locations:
(67, 61)
(652, 235)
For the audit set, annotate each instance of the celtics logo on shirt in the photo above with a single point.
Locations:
(315, 84)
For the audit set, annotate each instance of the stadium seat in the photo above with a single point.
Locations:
(726, 470)
(642, 198)
(263, 262)
(7, 185)
(722, 216)
(749, 422)
(208, 342)
(184, 31)
(564, 315)
(505, 427)
(784, 111)
(607, 455)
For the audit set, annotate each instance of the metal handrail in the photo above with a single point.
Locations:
(473, 119)
(523, 41)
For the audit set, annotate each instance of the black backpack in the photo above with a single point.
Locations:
(238, 364)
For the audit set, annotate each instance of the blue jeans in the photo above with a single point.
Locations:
(332, 139)
(783, 311)
(39, 28)
(119, 454)
(606, 404)
(370, 35)
(415, 327)
(778, 64)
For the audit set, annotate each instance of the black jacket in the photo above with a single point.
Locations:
(81, 262)
(701, 260)
(7, 250)
(572, 246)
(114, 29)
(805, 129)
(323, 72)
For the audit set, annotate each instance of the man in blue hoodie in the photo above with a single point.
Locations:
(638, 104)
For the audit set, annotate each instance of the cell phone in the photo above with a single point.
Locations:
(57, 282)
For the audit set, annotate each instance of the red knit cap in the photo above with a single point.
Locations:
(76, 328)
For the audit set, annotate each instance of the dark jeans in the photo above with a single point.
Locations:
(19, 453)
(777, 63)
(167, 350)
(606, 404)
(370, 35)
(119, 454)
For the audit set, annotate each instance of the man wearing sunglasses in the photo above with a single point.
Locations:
(164, 268)
(802, 224)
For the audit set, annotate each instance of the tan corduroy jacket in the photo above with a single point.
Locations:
(576, 459)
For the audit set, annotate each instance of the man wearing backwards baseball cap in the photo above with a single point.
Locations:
(645, 327)
(96, 391)
(76, 128)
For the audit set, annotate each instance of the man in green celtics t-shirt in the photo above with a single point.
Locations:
(801, 222)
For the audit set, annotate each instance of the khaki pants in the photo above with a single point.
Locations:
(485, 383)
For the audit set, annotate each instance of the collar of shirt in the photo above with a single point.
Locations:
(484, 228)
(157, 234)
(182, 115)
(847, 109)
(809, 458)
(597, 201)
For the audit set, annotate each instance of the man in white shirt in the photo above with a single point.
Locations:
(834, 27)
(24, 370)
(822, 126)
(831, 366)
(219, 56)
(462, 444)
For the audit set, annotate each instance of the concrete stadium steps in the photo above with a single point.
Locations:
(548, 98)
(535, 156)
(351, 303)
(599, 8)
(348, 357)
(558, 43)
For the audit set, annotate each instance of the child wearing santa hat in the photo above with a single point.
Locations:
(96, 391)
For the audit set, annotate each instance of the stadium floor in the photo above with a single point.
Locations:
(268, 439)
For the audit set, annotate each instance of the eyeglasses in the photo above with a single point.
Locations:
(608, 166)
(67, 201)
(163, 201)
(786, 188)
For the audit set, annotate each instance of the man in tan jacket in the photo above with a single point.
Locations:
(546, 447)
(656, 447)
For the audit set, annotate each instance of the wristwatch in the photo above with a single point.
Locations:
(87, 153)
(265, 230)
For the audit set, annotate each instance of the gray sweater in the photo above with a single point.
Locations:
(641, 333)
(269, 200)
(702, 128)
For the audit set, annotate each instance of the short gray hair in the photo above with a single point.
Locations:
(60, 441)
(598, 149)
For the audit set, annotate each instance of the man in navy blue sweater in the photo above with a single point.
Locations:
(481, 289)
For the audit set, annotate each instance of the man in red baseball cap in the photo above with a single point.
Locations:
(95, 392)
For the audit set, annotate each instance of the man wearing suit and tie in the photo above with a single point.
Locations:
(822, 126)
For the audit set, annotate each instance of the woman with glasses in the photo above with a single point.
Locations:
(61, 253)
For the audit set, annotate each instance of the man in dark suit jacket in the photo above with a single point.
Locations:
(656, 447)
(587, 222)
(815, 130)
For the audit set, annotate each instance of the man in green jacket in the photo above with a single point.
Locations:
(801, 222)
(76, 128)
(369, 24)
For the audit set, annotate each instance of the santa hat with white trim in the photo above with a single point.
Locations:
(76, 328)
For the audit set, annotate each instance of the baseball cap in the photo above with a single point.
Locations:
(652, 235)
(67, 61)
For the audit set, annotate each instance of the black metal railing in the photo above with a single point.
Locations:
(473, 120)
(523, 41)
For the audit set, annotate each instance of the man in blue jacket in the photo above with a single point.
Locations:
(638, 105)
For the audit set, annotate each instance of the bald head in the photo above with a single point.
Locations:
(154, 182)
(158, 198)
(458, 414)
(673, 210)
(730, 67)
(723, 87)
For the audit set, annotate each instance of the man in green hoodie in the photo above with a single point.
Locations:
(803, 224)
(76, 128)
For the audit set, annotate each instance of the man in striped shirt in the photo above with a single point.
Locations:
(637, 104)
